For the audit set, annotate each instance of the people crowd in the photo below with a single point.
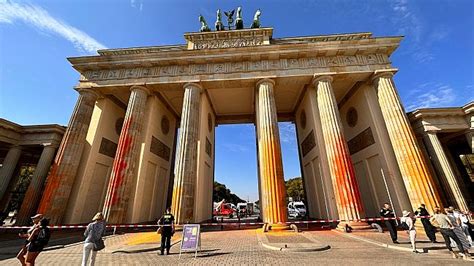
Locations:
(454, 225)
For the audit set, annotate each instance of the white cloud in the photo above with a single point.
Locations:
(235, 147)
(41, 20)
(133, 4)
(287, 133)
(430, 95)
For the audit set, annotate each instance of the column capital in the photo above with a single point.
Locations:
(89, 91)
(195, 85)
(383, 73)
(141, 88)
(265, 80)
(317, 78)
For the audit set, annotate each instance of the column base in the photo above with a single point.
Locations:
(353, 226)
(276, 227)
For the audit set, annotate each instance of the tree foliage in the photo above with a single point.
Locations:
(222, 192)
(294, 189)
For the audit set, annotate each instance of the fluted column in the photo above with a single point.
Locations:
(33, 193)
(186, 159)
(126, 158)
(449, 178)
(348, 199)
(8, 167)
(417, 179)
(63, 171)
(272, 183)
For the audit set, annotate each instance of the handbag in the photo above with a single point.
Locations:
(99, 244)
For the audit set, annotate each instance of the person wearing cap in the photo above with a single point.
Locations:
(26, 235)
(409, 220)
(93, 234)
(37, 241)
(387, 212)
(429, 228)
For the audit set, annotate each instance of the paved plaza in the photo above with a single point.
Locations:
(242, 247)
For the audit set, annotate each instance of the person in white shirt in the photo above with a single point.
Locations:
(408, 219)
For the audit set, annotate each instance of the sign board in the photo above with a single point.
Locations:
(191, 239)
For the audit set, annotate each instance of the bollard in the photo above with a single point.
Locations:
(238, 219)
(222, 223)
(115, 229)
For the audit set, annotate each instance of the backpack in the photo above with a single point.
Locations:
(404, 226)
(43, 237)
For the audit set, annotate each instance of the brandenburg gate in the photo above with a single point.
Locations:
(142, 134)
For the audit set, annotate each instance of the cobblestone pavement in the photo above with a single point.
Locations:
(242, 247)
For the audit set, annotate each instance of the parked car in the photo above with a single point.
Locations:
(296, 209)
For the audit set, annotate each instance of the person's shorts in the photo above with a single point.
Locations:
(34, 248)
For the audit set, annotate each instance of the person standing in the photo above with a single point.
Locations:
(93, 242)
(429, 228)
(21, 255)
(37, 241)
(446, 229)
(387, 212)
(166, 223)
(408, 221)
(453, 216)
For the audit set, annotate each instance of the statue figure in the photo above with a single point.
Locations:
(230, 18)
(204, 26)
(256, 20)
(239, 22)
(218, 25)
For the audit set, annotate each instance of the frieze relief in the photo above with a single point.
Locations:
(230, 43)
(235, 67)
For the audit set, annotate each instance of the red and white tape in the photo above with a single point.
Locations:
(213, 224)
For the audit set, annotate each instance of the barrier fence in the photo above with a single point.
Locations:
(115, 226)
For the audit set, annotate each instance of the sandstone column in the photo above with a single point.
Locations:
(126, 158)
(272, 183)
(33, 194)
(416, 176)
(63, 171)
(449, 177)
(348, 200)
(186, 159)
(8, 167)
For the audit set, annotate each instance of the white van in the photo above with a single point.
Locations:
(296, 209)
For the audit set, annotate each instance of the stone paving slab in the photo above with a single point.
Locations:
(290, 241)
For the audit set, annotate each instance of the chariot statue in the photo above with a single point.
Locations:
(204, 26)
(239, 22)
(218, 25)
(256, 20)
(230, 18)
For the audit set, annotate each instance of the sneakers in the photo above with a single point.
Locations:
(395, 242)
(454, 255)
(415, 251)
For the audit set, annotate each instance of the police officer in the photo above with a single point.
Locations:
(387, 212)
(167, 230)
(429, 228)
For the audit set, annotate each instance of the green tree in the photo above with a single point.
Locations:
(222, 192)
(294, 189)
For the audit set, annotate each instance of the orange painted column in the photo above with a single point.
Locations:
(33, 193)
(348, 200)
(182, 205)
(417, 179)
(272, 183)
(126, 158)
(63, 171)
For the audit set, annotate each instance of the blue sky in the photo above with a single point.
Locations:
(436, 58)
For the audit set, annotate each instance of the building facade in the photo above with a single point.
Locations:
(142, 135)
(26, 154)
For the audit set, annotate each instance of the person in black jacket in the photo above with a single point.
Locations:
(429, 228)
(387, 212)
(167, 230)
